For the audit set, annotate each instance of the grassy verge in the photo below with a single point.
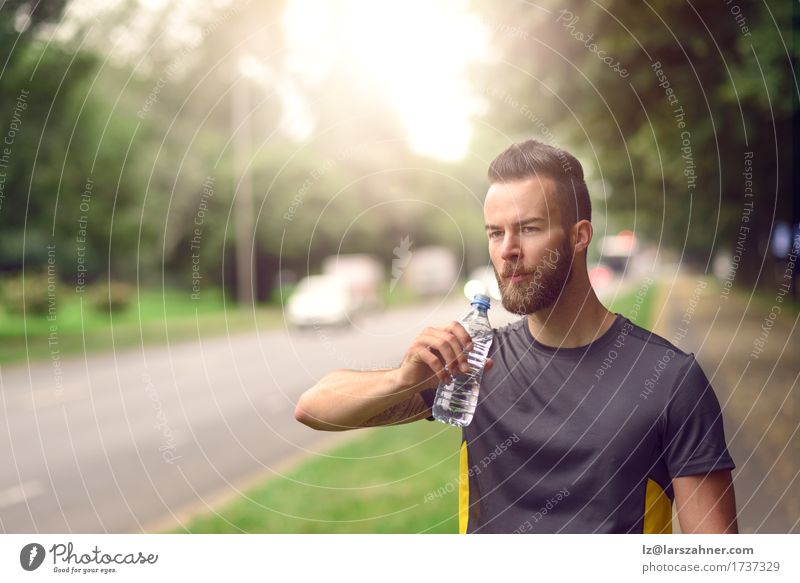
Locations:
(152, 318)
(384, 481)
(400, 479)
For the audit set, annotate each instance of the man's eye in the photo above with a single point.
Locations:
(529, 229)
(494, 234)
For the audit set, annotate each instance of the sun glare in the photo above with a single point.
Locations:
(417, 52)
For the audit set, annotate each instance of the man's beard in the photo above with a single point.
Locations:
(541, 288)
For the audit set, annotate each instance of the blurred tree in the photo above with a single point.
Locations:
(680, 186)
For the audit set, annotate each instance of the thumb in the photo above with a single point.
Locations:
(489, 364)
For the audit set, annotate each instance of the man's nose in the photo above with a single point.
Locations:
(510, 248)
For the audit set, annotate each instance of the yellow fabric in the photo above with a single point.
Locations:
(657, 510)
(463, 489)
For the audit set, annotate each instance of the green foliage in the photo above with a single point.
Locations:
(110, 160)
(33, 295)
(733, 85)
(114, 296)
(155, 316)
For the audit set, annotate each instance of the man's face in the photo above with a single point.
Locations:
(530, 251)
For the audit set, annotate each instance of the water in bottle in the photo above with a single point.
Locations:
(456, 399)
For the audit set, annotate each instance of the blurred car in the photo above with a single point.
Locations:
(320, 300)
(617, 250)
(432, 271)
(601, 276)
(362, 272)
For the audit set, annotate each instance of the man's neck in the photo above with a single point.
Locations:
(563, 326)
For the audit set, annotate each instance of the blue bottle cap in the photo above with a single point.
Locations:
(482, 301)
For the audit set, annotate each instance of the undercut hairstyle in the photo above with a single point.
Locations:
(533, 158)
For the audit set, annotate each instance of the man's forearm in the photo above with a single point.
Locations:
(706, 503)
(344, 399)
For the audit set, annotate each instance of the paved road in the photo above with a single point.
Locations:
(137, 440)
(758, 391)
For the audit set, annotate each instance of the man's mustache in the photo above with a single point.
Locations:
(513, 272)
(549, 261)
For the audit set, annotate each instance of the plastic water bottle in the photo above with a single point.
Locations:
(456, 400)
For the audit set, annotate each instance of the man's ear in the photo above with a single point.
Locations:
(581, 235)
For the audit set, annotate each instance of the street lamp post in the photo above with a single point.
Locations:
(243, 198)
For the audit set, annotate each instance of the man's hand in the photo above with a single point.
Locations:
(706, 503)
(347, 399)
(431, 351)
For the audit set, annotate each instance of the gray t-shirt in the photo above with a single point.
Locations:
(587, 439)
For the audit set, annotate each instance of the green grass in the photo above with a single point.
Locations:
(765, 299)
(153, 318)
(637, 305)
(381, 482)
(401, 479)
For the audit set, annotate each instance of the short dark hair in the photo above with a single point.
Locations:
(533, 158)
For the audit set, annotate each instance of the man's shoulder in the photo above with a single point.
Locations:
(629, 336)
(646, 337)
(650, 341)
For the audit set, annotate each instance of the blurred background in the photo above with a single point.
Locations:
(207, 206)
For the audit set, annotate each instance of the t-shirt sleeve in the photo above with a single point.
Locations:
(428, 395)
(694, 437)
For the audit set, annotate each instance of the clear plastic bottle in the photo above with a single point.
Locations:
(455, 401)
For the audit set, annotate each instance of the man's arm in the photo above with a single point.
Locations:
(407, 411)
(706, 503)
(349, 399)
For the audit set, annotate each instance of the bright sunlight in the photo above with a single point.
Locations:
(417, 52)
